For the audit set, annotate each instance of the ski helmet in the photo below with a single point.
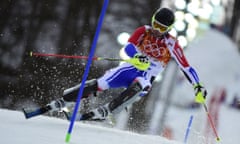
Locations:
(163, 20)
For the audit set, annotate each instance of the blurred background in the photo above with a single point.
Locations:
(68, 27)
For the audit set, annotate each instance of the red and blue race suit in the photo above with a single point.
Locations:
(159, 49)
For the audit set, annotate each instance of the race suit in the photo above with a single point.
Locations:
(159, 50)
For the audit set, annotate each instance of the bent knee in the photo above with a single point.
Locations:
(143, 88)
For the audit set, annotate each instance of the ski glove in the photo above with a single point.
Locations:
(200, 93)
(140, 61)
(141, 58)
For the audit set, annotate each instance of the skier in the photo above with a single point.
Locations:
(151, 48)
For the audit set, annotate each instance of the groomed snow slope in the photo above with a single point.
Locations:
(15, 129)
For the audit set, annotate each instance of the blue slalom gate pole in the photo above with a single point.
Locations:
(188, 129)
(85, 75)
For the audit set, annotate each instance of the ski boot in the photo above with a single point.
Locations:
(98, 114)
(56, 105)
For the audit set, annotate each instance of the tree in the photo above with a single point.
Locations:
(42, 26)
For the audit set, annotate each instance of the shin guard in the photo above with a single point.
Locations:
(127, 97)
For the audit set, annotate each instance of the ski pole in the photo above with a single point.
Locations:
(211, 122)
(133, 61)
(72, 56)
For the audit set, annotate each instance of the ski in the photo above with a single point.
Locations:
(110, 120)
(29, 113)
(86, 116)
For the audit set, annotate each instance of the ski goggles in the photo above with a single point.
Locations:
(160, 27)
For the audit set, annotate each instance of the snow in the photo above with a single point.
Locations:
(15, 129)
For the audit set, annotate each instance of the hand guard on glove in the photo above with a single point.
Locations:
(141, 58)
(200, 93)
(140, 61)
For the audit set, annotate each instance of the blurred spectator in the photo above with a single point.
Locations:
(236, 102)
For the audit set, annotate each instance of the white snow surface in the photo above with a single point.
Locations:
(15, 129)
